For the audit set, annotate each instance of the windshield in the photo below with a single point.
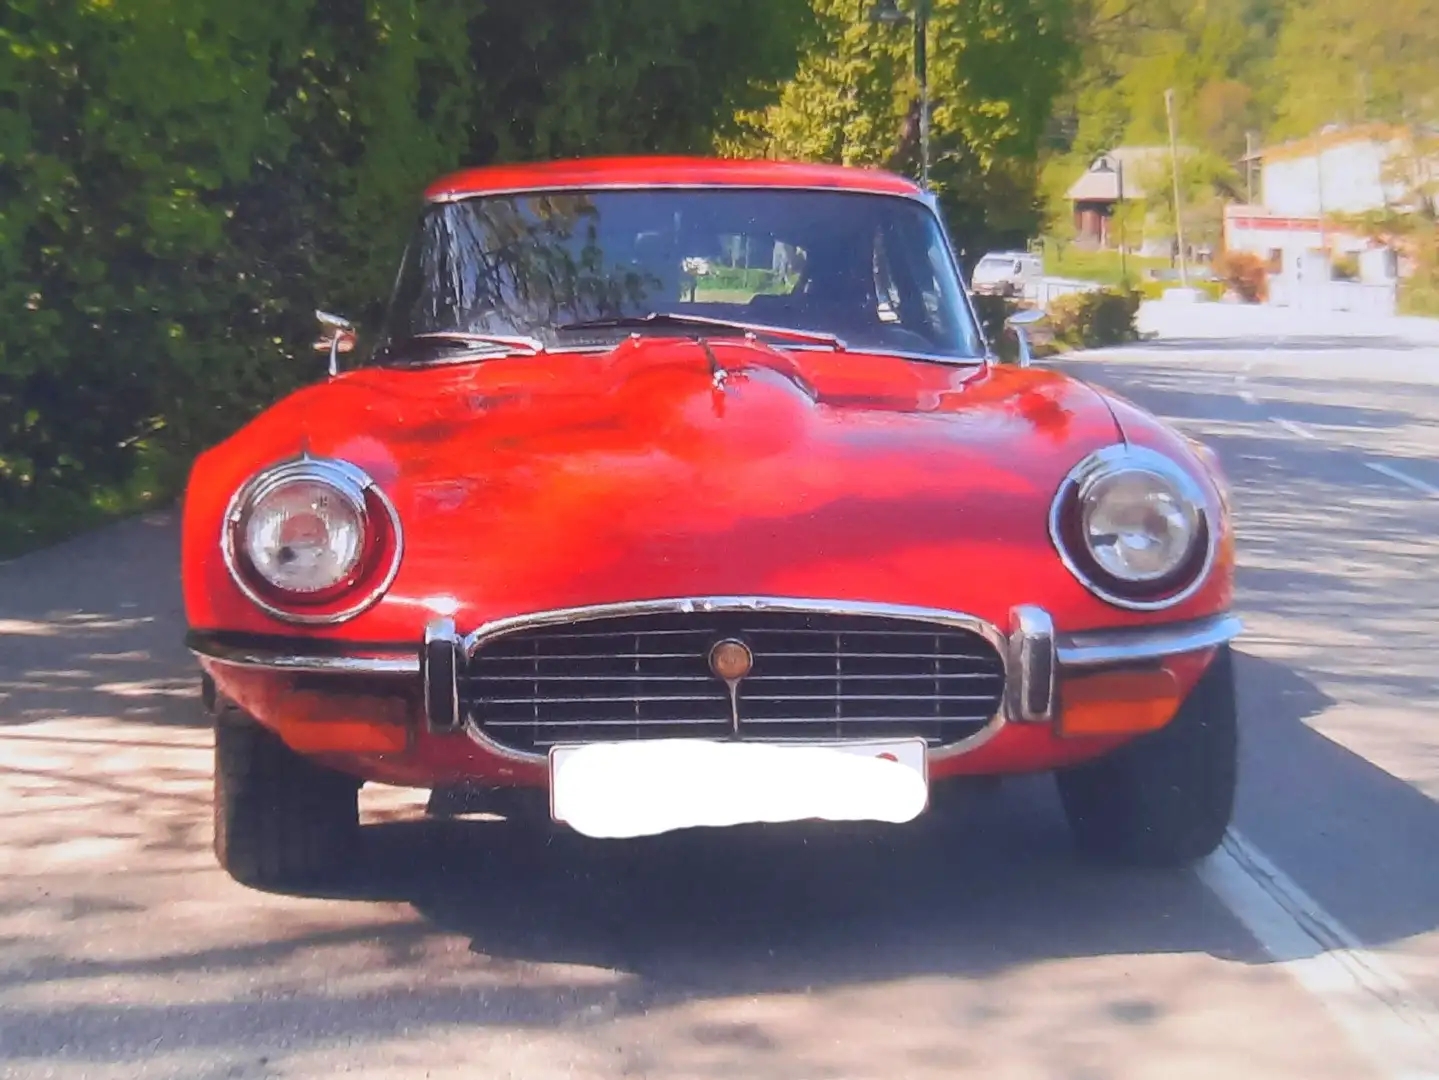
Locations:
(872, 270)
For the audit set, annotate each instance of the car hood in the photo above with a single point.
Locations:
(679, 468)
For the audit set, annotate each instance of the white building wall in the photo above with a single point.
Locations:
(1347, 178)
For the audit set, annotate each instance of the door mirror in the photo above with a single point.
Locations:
(337, 335)
(1020, 324)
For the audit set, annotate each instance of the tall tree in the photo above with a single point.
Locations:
(995, 67)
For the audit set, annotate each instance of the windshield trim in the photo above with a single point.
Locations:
(897, 354)
(564, 350)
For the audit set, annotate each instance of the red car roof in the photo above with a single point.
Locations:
(665, 171)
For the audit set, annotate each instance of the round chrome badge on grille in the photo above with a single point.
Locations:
(731, 659)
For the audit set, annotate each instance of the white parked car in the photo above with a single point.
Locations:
(1006, 273)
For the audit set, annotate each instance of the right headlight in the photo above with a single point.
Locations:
(312, 540)
(1134, 528)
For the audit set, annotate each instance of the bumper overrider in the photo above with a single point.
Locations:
(1115, 682)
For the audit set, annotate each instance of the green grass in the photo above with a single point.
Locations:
(1104, 267)
(43, 517)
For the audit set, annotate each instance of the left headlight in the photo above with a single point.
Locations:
(312, 541)
(1134, 528)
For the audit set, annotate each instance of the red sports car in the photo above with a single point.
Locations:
(682, 492)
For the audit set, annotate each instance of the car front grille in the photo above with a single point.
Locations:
(816, 675)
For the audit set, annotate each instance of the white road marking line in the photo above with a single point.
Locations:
(1385, 1020)
(1403, 478)
(1293, 428)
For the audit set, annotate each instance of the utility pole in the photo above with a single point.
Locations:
(1123, 258)
(921, 73)
(1178, 207)
(1249, 168)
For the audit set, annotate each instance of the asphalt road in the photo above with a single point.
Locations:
(971, 943)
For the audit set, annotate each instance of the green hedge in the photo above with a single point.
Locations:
(1093, 320)
(1088, 320)
(183, 181)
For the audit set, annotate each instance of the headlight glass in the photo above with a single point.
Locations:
(1138, 526)
(304, 536)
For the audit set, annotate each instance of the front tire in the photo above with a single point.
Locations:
(281, 820)
(1166, 798)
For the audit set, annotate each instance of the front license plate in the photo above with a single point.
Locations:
(644, 788)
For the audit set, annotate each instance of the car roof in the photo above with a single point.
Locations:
(623, 172)
(1008, 255)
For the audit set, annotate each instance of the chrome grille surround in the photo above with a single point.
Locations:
(703, 701)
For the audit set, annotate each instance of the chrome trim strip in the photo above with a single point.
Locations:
(891, 354)
(1031, 657)
(1114, 458)
(1097, 648)
(378, 662)
(353, 483)
(688, 605)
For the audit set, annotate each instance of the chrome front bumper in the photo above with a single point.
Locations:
(1034, 653)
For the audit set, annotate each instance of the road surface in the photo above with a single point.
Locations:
(971, 944)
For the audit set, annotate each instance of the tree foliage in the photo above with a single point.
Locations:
(995, 67)
(183, 181)
(1347, 62)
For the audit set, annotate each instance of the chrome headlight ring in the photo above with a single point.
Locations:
(373, 572)
(1138, 593)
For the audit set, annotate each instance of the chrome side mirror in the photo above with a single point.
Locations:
(337, 335)
(1018, 324)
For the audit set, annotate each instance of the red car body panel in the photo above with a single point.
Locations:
(563, 480)
(666, 172)
(534, 483)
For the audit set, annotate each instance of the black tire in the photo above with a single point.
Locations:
(281, 821)
(1166, 798)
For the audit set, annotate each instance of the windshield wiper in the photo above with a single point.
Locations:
(464, 346)
(703, 322)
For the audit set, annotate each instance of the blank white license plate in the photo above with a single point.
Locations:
(647, 787)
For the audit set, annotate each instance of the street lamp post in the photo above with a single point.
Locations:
(889, 13)
(1123, 240)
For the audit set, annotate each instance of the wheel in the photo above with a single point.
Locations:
(280, 819)
(1166, 798)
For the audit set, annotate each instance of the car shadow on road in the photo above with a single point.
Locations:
(563, 933)
(985, 882)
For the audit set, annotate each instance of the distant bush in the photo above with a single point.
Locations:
(1245, 275)
(1092, 320)
(1419, 292)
